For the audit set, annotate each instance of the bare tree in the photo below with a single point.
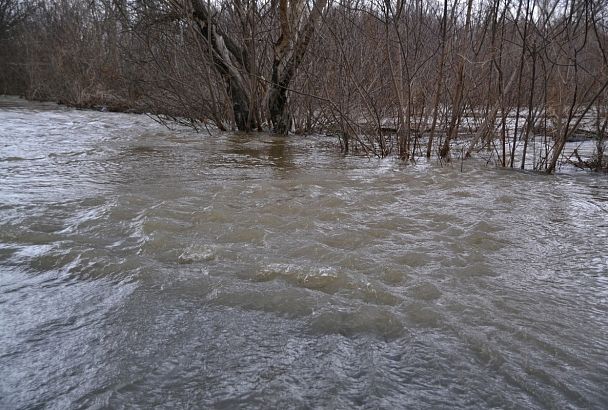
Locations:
(512, 79)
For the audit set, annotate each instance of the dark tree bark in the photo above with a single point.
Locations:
(289, 52)
(232, 62)
(297, 26)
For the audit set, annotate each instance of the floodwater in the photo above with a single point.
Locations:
(144, 267)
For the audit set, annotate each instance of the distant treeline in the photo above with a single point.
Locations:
(387, 77)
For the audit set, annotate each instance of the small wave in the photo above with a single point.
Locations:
(325, 279)
(290, 302)
(197, 253)
(16, 159)
(421, 315)
(370, 320)
(328, 280)
(425, 291)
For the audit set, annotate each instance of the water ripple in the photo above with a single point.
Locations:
(146, 267)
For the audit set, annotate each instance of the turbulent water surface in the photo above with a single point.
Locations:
(146, 267)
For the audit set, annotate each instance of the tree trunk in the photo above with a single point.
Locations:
(277, 104)
(569, 130)
(437, 99)
(240, 107)
(289, 52)
(457, 103)
(232, 63)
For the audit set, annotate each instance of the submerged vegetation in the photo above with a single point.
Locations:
(513, 81)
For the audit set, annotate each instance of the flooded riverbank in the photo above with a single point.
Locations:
(141, 266)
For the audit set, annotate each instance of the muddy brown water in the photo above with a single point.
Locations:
(146, 267)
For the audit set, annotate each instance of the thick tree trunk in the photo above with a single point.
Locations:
(289, 52)
(231, 60)
(279, 113)
(240, 107)
(277, 105)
